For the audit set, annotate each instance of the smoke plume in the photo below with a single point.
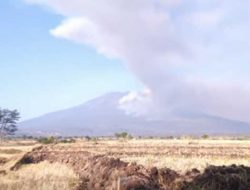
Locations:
(191, 55)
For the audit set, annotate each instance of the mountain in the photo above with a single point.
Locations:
(102, 117)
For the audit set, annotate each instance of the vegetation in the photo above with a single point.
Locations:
(8, 122)
(53, 140)
(95, 140)
(123, 135)
(47, 140)
(205, 136)
(10, 151)
(88, 138)
(70, 140)
(42, 176)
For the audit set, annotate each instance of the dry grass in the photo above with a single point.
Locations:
(10, 151)
(13, 151)
(42, 176)
(179, 155)
(183, 164)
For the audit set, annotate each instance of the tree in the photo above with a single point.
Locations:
(205, 136)
(123, 135)
(8, 122)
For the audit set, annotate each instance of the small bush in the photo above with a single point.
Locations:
(67, 141)
(123, 135)
(88, 138)
(47, 140)
(205, 136)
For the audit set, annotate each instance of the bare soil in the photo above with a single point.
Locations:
(3, 160)
(221, 178)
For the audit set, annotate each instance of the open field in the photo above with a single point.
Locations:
(95, 164)
(180, 155)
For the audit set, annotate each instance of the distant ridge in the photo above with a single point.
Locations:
(102, 117)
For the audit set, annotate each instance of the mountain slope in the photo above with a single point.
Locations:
(101, 116)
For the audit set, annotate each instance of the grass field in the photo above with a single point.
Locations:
(41, 176)
(178, 155)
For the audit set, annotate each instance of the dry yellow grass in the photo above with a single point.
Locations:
(14, 150)
(183, 164)
(42, 176)
(180, 155)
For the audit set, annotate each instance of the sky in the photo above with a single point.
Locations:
(40, 73)
(174, 56)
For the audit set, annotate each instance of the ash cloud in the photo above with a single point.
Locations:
(191, 55)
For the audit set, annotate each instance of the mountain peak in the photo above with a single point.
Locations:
(102, 116)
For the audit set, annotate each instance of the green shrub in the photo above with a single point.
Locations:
(47, 140)
(205, 136)
(123, 135)
(67, 141)
(88, 138)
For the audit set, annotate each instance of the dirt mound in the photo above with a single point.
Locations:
(3, 160)
(101, 172)
(3, 172)
(112, 173)
(222, 178)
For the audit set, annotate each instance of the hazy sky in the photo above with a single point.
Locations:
(40, 73)
(190, 55)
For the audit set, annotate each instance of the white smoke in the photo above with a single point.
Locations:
(138, 103)
(192, 55)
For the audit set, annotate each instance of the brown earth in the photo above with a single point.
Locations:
(3, 160)
(221, 178)
(102, 172)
